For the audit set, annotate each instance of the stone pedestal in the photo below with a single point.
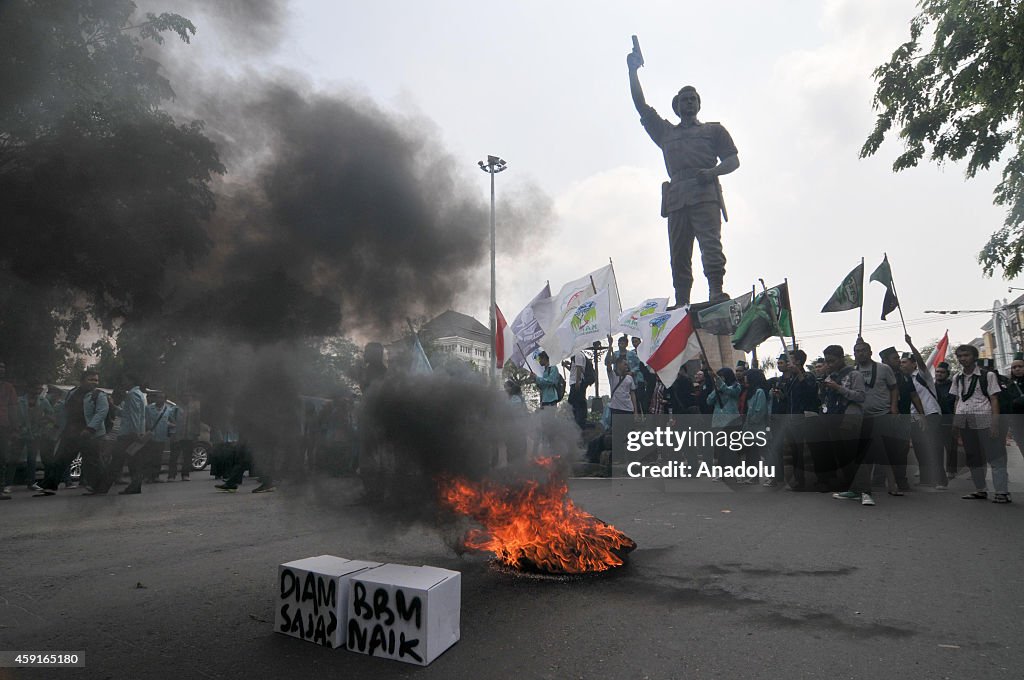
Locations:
(719, 350)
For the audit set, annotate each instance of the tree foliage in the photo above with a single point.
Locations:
(955, 92)
(100, 189)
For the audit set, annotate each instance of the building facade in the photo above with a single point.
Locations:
(460, 336)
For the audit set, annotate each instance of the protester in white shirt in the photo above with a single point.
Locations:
(927, 433)
(977, 419)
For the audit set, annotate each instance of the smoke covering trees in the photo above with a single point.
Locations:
(955, 91)
(101, 189)
(115, 212)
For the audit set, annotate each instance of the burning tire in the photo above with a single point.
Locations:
(532, 526)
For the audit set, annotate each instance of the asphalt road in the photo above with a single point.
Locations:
(180, 581)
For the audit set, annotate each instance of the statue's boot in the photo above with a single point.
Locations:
(682, 296)
(715, 291)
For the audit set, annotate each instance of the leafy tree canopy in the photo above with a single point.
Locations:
(100, 189)
(955, 91)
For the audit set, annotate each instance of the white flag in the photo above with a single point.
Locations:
(552, 312)
(590, 320)
(532, 361)
(528, 331)
(630, 319)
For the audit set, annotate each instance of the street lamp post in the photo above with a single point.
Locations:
(493, 166)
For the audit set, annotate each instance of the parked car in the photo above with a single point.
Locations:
(200, 451)
(200, 459)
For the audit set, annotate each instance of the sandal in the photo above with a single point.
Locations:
(975, 496)
(1001, 498)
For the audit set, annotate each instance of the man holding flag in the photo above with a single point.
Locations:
(928, 439)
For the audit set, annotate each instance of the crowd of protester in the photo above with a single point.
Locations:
(94, 439)
(51, 428)
(844, 427)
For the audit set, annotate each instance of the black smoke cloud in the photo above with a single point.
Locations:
(360, 209)
(356, 207)
(336, 216)
(418, 430)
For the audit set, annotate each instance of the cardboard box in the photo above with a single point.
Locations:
(406, 613)
(313, 598)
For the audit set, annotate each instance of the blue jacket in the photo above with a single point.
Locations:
(757, 411)
(133, 413)
(728, 412)
(95, 406)
(160, 420)
(546, 382)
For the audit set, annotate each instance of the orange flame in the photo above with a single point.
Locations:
(535, 525)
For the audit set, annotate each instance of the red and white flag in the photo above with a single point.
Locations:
(669, 341)
(938, 354)
(504, 341)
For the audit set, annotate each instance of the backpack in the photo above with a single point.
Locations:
(589, 374)
(559, 388)
(1004, 398)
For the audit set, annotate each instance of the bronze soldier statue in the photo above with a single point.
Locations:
(696, 154)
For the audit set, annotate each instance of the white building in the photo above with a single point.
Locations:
(460, 336)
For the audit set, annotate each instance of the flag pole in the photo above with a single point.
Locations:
(860, 313)
(593, 286)
(897, 295)
(616, 278)
(792, 326)
(416, 341)
(526, 359)
(415, 335)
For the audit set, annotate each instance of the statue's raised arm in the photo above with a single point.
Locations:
(634, 60)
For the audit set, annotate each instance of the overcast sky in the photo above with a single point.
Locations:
(544, 85)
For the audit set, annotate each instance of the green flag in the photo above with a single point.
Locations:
(723, 318)
(755, 326)
(779, 298)
(849, 294)
(768, 315)
(883, 274)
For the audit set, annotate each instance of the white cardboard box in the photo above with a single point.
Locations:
(313, 598)
(406, 613)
